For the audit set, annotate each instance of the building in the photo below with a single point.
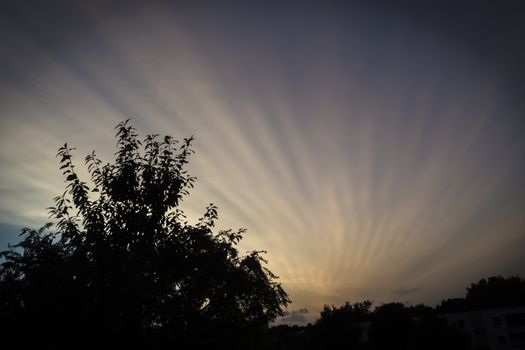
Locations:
(494, 329)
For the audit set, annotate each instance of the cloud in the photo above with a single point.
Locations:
(294, 312)
(405, 291)
(294, 316)
(413, 161)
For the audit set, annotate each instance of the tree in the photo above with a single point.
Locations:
(496, 291)
(493, 292)
(342, 326)
(391, 324)
(125, 265)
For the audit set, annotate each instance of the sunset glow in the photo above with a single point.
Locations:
(374, 154)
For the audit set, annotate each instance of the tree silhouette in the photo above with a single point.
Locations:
(496, 291)
(391, 324)
(492, 292)
(124, 265)
(342, 326)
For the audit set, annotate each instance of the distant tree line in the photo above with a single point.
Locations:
(357, 326)
(398, 326)
(495, 291)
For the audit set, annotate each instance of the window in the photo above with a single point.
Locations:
(497, 321)
(501, 339)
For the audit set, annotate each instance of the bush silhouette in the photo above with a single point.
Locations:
(492, 292)
(124, 266)
(391, 324)
(341, 327)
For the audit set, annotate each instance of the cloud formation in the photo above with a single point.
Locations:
(360, 149)
(293, 317)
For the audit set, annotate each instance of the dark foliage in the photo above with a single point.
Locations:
(124, 266)
(341, 326)
(390, 327)
(356, 326)
(493, 292)
(432, 333)
(284, 337)
(395, 325)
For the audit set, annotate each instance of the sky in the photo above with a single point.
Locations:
(375, 150)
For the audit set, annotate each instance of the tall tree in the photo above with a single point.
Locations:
(124, 263)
